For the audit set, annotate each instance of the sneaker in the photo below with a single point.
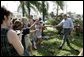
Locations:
(42, 46)
(60, 47)
(35, 47)
(34, 55)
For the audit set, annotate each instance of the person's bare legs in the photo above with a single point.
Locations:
(39, 41)
(34, 44)
(31, 51)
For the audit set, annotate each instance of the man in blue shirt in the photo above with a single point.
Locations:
(67, 25)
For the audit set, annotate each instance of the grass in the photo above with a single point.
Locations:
(50, 46)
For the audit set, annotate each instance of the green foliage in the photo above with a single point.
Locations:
(78, 21)
(56, 21)
(78, 29)
(53, 21)
(60, 3)
(51, 46)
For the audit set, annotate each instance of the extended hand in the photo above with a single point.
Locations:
(55, 26)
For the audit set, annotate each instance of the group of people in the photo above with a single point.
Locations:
(19, 36)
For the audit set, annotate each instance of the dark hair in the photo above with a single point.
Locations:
(14, 20)
(40, 19)
(34, 20)
(65, 15)
(31, 16)
(5, 12)
(18, 25)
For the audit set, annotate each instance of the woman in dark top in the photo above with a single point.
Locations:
(25, 32)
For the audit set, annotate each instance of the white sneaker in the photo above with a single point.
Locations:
(35, 45)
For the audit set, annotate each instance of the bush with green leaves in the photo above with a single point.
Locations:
(78, 29)
(54, 22)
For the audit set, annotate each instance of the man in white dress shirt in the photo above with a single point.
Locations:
(67, 25)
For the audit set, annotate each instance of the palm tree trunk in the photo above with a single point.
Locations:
(43, 10)
(57, 9)
(22, 7)
(23, 11)
(28, 8)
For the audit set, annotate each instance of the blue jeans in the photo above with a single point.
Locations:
(66, 33)
(26, 52)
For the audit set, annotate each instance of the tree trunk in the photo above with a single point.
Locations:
(23, 11)
(22, 6)
(28, 8)
(43, 10)
(57, 10)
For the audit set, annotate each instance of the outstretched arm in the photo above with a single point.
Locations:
(60, 24)
(33, 24)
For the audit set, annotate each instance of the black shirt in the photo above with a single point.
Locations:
(25, 32)
(6, 48)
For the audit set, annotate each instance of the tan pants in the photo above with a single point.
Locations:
(27, 41)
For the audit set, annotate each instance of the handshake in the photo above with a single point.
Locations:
(37, 29)
(55, 26)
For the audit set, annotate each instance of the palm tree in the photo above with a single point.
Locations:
(21, 6)
(59, 4)
(43, 9)
(26, 7)
(41, 6)
(32, 4)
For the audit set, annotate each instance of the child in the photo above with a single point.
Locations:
(38, 28)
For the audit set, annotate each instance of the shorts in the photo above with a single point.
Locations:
(38, 34)
(33, 37)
